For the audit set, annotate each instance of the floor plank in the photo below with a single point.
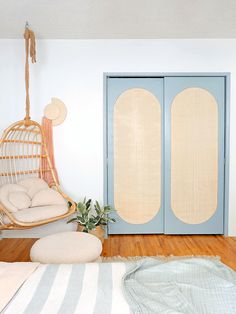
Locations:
(17, 250)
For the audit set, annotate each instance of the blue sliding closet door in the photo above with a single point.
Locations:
(135, 154)
(165, 154)
(194, 155)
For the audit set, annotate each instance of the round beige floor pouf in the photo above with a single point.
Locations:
(66, 248)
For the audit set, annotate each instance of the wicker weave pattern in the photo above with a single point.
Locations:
(137, 156)
(194, 155)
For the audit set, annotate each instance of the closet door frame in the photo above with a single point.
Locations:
(225, 75)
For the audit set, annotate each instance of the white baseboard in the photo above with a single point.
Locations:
(39, 232)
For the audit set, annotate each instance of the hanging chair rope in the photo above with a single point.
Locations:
(29, 50)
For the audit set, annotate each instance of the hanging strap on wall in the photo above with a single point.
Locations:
(29, 49)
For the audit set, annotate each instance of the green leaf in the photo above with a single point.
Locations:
(97, 210)
(81, 207)
(98, 206)
(107, 209)
(71, 220)
(88, 203)
(91, 226)
(81, 220)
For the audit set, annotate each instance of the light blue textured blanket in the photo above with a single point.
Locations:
(186, 286)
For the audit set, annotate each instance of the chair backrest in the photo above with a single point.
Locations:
(23, 152)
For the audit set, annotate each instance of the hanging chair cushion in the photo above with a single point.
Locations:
(35, 214)
(47, 197)
(32, 201)
(10, 194)
(33, 185)
(19, 199)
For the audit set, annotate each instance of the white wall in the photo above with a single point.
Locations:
(72, 70)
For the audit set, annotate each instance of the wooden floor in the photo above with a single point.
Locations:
(17, 250)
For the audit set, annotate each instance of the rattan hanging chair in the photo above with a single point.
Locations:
(23, 150)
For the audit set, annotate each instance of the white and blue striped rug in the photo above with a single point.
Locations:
(67, 289)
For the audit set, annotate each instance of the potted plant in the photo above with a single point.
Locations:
(92, 218)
